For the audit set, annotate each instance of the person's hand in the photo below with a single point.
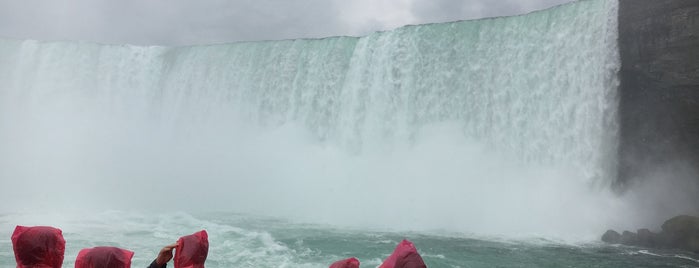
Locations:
(165, 254)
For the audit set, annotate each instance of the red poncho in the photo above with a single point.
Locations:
(104, 257)
(346, 263)
(39, 246)
(191, 250)
(404, 256)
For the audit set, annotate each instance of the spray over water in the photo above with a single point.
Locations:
(495, 126)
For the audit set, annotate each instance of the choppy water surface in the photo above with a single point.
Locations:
(251, 241)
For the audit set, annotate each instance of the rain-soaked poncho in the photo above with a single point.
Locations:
(38, 247)
(104, 257)
(191, 250)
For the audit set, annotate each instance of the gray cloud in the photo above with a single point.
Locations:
(180, 22)
(168, 21)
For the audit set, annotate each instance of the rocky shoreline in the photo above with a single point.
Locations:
(681, 232)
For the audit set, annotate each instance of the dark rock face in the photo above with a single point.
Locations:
(646, 238)
(629, 238)
(681, 232)
(611, 237)
(659, 91)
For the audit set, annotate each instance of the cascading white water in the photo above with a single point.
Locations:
(487, 126)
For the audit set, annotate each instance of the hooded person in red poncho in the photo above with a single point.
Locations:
(104, 257)
(404, 256)
(38, 247)
(190, 252)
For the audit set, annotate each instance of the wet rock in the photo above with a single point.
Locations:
(681, 232)
(612, 237)
(629, 238)
(646, 238)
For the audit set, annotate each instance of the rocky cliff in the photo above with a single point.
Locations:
(659, 91)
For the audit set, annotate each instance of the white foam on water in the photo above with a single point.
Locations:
(679, 256)
(146, 233)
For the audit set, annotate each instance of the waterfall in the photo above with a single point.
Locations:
(450, 113)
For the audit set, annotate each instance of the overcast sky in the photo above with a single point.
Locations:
(180, 22)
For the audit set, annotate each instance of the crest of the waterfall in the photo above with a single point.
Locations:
(541, 87)
(463, 120)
